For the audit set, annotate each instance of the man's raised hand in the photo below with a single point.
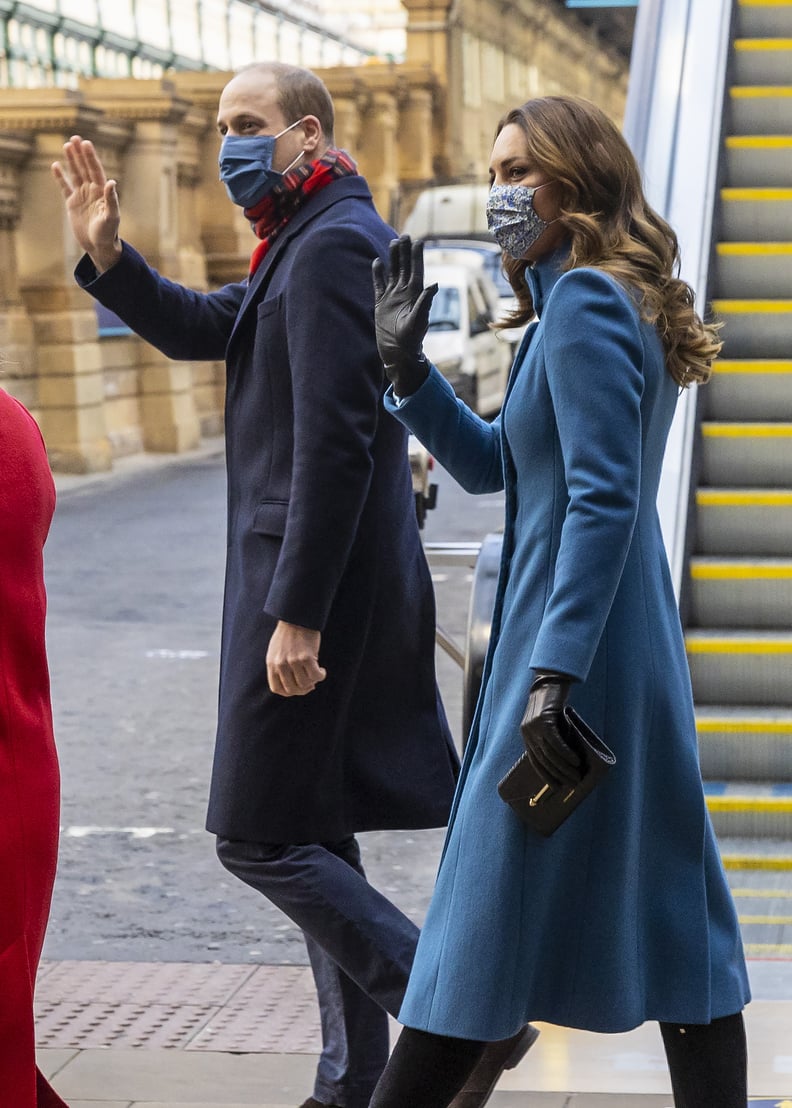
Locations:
(91, 202)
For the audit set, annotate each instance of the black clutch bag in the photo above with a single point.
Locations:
(539, 804)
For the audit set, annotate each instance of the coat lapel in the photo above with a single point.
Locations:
(339, 190)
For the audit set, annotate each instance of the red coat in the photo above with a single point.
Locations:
(29, 781)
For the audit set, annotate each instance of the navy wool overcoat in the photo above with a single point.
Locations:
(624, 914)
(321, 533)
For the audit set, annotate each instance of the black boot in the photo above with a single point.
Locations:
(426, 1070)
(497, 1057)
(708, 1062)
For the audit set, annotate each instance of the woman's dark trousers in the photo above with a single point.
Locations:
(360, 947)
(707, 1063)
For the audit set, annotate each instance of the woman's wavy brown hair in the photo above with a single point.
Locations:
(611, 226)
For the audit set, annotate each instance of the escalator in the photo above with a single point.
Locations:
(739, 577)
(709, 116)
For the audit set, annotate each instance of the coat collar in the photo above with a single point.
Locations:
(542, 275)
(341, 189)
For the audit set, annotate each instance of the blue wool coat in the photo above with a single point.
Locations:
(321, 533)
(624, 914)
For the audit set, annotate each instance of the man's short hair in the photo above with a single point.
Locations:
(300, 92)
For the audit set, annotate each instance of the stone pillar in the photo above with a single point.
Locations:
(347, 121)
(416, 109)
(195, 135)
(148, 191)
(377, 150)
(225, 234)
(419, 109)
(427, 34)
(70, 405)
(17, 366)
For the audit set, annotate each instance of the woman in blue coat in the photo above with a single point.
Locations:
(624, 914)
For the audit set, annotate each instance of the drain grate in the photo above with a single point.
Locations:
(214, 1007)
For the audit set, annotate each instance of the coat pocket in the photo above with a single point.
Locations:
(270, 518)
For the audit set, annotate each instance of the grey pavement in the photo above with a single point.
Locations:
(165, 983)
(169, 1043)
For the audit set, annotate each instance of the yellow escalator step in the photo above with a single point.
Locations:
(763, 194)
(763, 44)
(756, 92)
(743, 307)
(711, 498)
(766, 921)
(753, 365)
(757, 861)
(713, 645)
(780, 805)
(754, 249)
(745, 726)
(746, 431)
(762, 894)
(742, 571)
(758, 142)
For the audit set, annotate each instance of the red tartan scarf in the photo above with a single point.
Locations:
(273, 212)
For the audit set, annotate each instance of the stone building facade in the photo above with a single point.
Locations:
(427, 120)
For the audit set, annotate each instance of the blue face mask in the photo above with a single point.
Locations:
(512, 219)
(246, 166)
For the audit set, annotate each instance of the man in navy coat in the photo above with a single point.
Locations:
(329, 721)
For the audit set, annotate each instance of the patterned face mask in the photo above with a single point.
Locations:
(512, 219)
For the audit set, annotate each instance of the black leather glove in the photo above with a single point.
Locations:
(401, 315)
(542, 730)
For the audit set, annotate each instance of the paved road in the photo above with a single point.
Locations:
(134, 573)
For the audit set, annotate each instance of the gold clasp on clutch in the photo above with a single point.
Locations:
(535, 799)
(570, 794)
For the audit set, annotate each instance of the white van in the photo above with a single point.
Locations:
(460, 341)
(450, 212)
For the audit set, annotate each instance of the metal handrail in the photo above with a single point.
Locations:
(673, 122)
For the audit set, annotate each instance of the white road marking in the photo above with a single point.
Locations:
(77, 832)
